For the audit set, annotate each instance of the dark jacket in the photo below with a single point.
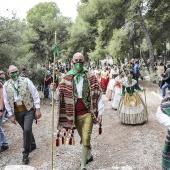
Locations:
(136, 71)
(167, 76)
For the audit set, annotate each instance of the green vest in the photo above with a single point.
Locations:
(23, 92)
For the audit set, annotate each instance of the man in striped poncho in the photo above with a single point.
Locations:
(80, 104)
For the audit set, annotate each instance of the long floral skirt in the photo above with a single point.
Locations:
(132, 110)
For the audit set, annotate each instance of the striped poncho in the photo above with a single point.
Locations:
(66, 106)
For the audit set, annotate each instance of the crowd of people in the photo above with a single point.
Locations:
(20, 99)
(78, 94)
(120, 84)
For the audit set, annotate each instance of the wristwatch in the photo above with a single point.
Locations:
(1, 110)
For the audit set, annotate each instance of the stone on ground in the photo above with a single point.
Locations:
(19, 167)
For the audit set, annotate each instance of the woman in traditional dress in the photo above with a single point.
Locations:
(113, 74)
(131, 109)
(117, 89)
(104, 80)
(163, 116)
(109, 92)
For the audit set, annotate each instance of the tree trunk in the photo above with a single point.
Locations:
(133, 49)
(148, 40)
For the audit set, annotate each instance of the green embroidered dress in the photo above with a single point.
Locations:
(131, 109)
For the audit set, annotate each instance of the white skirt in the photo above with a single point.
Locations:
(116, 98)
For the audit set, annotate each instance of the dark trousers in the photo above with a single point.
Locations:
(25, 119)
(136, 78)
(46, 92)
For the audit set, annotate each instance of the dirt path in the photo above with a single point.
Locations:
(119, 146)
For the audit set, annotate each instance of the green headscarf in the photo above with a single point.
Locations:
(76, 74)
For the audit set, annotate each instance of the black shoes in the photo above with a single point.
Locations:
(89, 160)
(143, 123)
(33, 147)
(3, 148)
(25, 159)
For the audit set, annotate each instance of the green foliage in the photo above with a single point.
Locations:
(37, 75)
(113, 28)
(45, 19)
(82, 37)
(104, 17)
(118, 47)
(159, 22)
(12, 42)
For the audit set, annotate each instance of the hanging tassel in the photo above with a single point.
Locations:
(63, 140)
(72, 141)
(60, 141)
(65, 137)
(67, 140)
(57, 140)
(100, 129)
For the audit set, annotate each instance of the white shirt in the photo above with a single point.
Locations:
(119, 79)
(113, 72)
(163, 118)
(111, 84)
(96, 72)
(33, 91)
(79, 87)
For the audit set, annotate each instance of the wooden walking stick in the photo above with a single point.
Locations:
(144, 92)
(52, 131)
(44, 83)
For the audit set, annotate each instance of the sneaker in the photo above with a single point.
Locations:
(3, 148)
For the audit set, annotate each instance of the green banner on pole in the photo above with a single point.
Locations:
(56, 51)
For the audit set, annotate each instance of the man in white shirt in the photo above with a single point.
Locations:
(20, 98)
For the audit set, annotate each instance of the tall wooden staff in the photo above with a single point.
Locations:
(145, 103)
(52, 131)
